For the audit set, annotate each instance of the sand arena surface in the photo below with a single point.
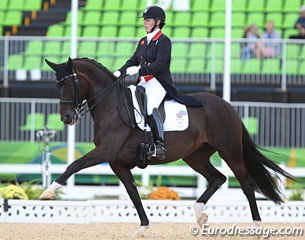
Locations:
(114, 231)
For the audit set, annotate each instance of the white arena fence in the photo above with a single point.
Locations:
(73, 191)
(273, 124)
(194, 61)
(107, 211)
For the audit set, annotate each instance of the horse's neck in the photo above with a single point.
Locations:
(96, 81)
(103, 102)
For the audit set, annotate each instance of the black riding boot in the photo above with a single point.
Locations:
(156, 124)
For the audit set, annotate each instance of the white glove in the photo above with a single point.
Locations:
(132, 70)
(117, 74)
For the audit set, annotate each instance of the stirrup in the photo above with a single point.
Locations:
(156, 151)
(160, 152)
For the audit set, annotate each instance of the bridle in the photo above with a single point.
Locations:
(81, 106)
(76, 101)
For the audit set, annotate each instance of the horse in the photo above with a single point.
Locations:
(213, 127)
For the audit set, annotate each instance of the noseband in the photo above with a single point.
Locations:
(80, 106)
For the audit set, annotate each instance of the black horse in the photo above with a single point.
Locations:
(214, 127)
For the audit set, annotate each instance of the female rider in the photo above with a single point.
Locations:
(151, 60)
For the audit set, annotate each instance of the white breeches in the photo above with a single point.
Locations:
(155, 93)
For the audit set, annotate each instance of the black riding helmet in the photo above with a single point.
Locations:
(156, 13)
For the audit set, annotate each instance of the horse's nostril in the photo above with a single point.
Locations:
(65, 118)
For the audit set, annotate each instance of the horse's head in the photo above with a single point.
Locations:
(68, 87)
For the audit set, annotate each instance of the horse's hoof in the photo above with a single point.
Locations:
(200, 215)
(202, 219)
(47, 195)
(141, 231)
(256, 224)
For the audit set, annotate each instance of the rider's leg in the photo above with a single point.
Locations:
(155, 94)
(156, 124)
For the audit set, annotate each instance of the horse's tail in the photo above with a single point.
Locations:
(256, 164)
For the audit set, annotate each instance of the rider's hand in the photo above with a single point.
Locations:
(117, 74)
(132, 70)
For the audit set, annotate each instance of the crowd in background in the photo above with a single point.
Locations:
(258, 45)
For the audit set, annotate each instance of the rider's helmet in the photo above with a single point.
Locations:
(156, 13)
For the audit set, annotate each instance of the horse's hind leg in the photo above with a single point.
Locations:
(234, 158)
(200, 162)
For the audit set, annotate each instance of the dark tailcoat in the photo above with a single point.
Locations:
(154, 59)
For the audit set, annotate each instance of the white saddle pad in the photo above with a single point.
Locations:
(176, 116)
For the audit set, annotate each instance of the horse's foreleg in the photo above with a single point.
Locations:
(90, 159)
(124, 174)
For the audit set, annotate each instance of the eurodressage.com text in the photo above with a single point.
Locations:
(264, 232)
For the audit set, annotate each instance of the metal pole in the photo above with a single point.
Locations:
(45, 136)
(213, 66)
(73, 54)
(227, 57)
(5, 77)
(284, 80)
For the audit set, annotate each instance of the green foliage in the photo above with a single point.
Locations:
(297, 193)
(32, 190)
(58, 194)
(145, 191)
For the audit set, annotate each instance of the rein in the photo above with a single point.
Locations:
(82, 108)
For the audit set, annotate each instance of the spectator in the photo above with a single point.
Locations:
(251, 49)
(300, 25)
(254, 48)
(271, 49)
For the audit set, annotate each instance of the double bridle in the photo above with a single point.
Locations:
(80, 106)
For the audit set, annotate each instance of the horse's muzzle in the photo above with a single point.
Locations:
(69, 118)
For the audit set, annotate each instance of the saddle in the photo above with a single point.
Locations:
(174, 116)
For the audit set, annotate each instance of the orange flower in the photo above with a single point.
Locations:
(164, 193)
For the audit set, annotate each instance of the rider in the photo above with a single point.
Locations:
(151, 60)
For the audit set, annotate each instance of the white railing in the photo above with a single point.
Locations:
(277, 124)
(206, 54)
(105, 211)
(88, 192)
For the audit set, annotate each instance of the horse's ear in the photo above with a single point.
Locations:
(52, 65)
(70, 63)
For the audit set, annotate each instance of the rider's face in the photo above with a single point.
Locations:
(149, 23)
